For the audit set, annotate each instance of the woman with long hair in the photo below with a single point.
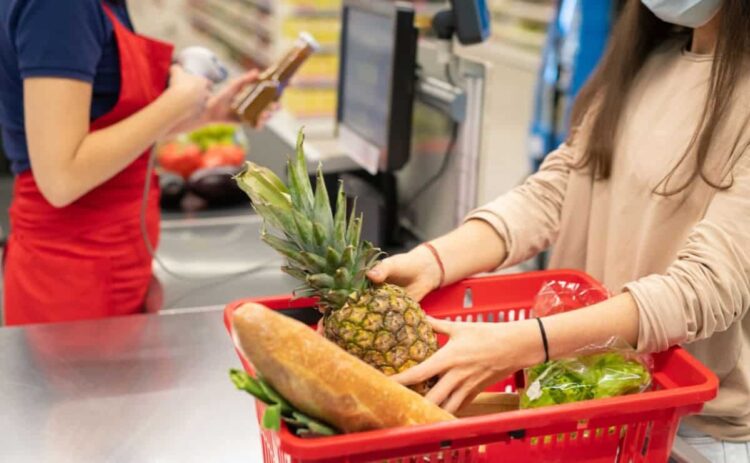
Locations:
(650, 194)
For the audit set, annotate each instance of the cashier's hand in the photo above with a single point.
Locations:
(192, 92)
(219, 108)
(417, 271)
(477, 356)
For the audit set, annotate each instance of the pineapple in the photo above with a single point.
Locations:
(380, 324)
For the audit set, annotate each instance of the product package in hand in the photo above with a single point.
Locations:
(609, 370)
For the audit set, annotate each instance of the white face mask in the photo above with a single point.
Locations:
(688, 13)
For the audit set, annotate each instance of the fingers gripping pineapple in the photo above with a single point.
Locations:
(380, 324)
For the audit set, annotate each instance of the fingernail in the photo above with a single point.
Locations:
(374, 272)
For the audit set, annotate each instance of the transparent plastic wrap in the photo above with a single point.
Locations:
(599, 371)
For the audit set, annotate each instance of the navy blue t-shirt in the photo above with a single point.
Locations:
(55, 38)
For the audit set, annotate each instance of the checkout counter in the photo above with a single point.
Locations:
(145, 388)
(151, 387)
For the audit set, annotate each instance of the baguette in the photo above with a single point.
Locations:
(321, 379)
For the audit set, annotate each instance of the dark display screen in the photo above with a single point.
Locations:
(368, 67)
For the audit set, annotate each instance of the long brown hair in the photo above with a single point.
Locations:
(636, 35)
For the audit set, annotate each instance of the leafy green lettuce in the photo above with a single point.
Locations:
(589, 377)
(215, 134)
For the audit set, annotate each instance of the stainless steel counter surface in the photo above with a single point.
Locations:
(215, 259)
(145, 388)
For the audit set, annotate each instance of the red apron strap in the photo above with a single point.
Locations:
(112, 16)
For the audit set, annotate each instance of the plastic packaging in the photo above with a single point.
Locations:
(599, 371)
(558, 296)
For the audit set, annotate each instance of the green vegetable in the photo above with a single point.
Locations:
(245, 382)
(216, 134)
(306, 425)
(278, 408)
(617, 376)
(584, 378)
(272, 417)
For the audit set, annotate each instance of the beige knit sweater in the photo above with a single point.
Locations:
(684, 258)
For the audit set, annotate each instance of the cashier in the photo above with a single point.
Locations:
(650, 194)
(82, 98)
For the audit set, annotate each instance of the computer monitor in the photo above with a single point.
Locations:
(377, 83)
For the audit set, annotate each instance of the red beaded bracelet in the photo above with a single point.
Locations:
(439, 262)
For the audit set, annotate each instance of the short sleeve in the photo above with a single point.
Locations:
(56, 38)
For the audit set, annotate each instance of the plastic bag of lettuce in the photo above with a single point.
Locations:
(610, 370)
(595, 376)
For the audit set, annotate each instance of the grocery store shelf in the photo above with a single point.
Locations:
(522, 23)
(314, 82)
(301, 10)
(531, 11)
(520, 36)
(309, 9)
(502, 52)
(263, 5)
(243, 17)
(244, 45)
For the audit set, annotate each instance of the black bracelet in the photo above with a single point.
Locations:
(544, 340)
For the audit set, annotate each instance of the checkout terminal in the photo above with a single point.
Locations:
(382, 95)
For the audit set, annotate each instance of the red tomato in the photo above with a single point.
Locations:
(234, 155)
(223, 155)
(213, 157)
(183, 159)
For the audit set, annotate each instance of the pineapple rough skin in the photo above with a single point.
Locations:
(385, 328)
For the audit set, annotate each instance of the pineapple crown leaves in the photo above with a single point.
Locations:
(323, 250)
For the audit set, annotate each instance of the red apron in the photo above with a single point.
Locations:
(88, 260)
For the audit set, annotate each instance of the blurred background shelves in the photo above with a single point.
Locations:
(255, 33)
(519, 29)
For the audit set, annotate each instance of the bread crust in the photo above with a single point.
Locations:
(321, 379)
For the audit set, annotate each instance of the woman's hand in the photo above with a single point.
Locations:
(416, 271)
(472, 248)
(477, 356)
(190, 91)
(219, 107)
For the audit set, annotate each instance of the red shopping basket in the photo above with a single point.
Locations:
(636, 428)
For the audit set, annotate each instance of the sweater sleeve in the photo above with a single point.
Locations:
(707, 287)
(528, 217)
